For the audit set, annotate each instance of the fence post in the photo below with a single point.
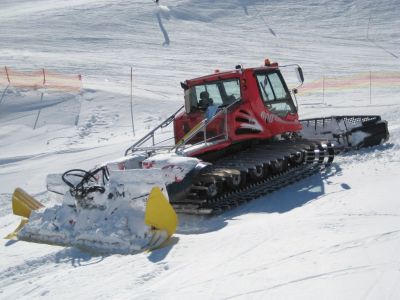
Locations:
(8, 77)
(44, 77)
(37, 117)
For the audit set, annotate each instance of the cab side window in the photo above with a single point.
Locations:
(218, 93)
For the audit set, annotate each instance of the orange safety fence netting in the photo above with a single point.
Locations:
(40, 79)
(359, 80)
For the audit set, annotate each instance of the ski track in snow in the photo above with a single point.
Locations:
(330, 236)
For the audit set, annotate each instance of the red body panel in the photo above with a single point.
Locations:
(248, 119)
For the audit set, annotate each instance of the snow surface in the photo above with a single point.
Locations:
(331, 236)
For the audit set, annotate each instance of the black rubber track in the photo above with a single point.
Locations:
(257, 171)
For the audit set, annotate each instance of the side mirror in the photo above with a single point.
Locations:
(300, 75)
(184, 86)
(188, 102)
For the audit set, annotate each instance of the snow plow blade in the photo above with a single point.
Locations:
(159, 213)
(14, 235)
(159, 217)
(23, 204)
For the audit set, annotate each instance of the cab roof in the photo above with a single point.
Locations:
(217, 75)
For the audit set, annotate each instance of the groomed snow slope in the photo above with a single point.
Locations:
(331, 236)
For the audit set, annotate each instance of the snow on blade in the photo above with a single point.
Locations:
(174, 167)
(109, 222)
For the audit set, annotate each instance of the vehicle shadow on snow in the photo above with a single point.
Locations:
(369, 150)
(281, 201)
(77, 257)
(82, 258)
(73, 256)
(158, 255)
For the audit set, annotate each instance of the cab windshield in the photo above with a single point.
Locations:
(275, 94)
(218, 93)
